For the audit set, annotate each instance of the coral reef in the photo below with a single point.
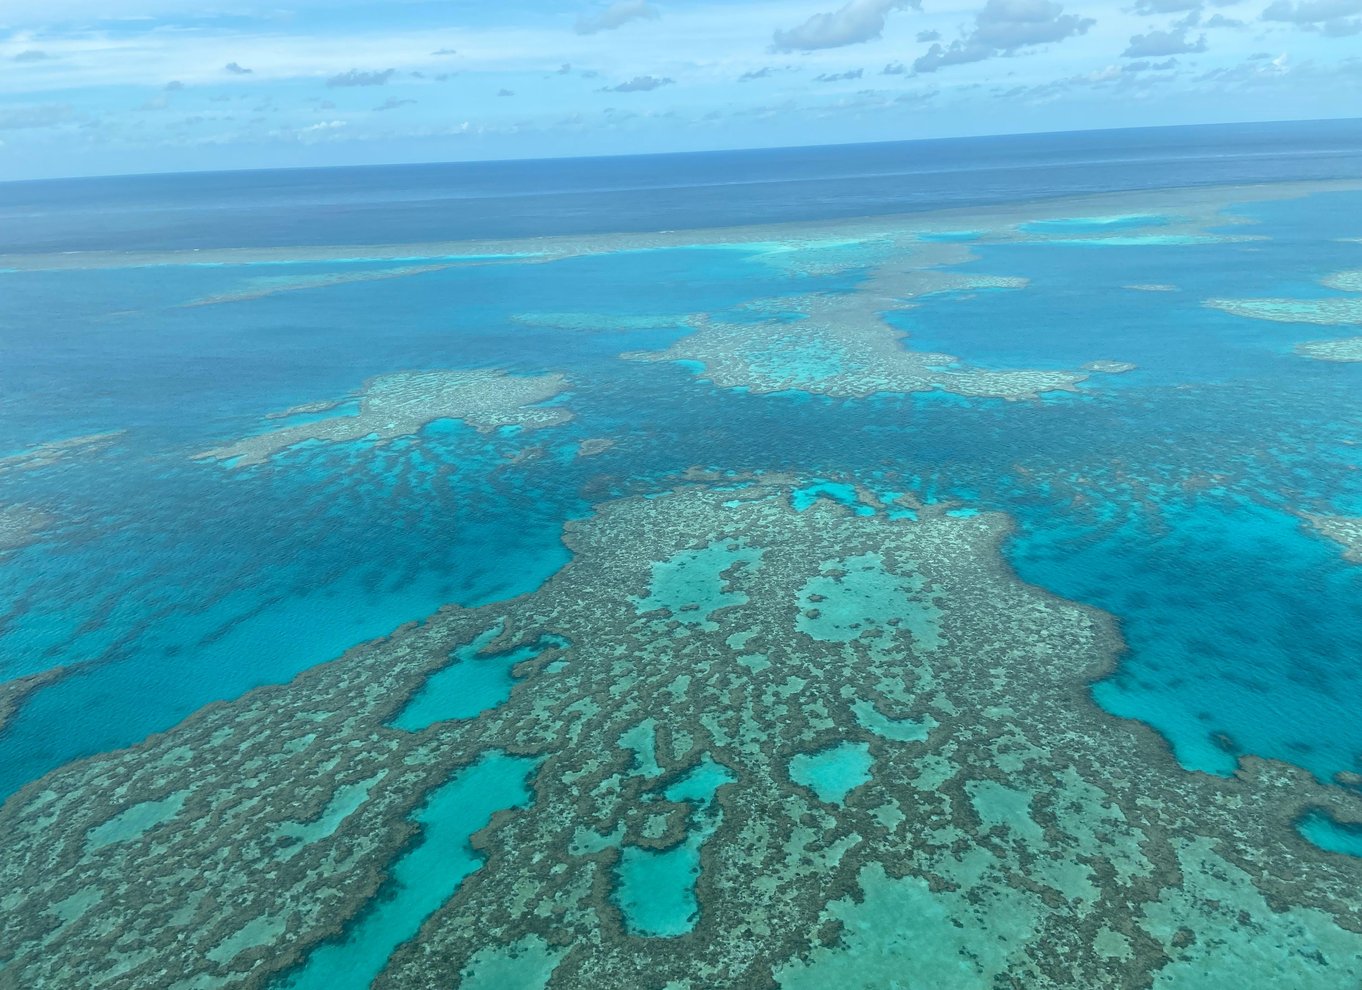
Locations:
(1346, 349)
(856, 747)
(839, 343)
(1325, 312)
(1163, 217)
(599, 322)
(46, 454)
(401, 404)
(1343, 530)
(20, 525)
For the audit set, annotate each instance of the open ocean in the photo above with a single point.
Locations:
(1131, 592)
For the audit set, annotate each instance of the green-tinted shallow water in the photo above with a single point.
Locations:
(422, 878)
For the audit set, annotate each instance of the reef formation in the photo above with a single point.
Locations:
(1345, 350)
(399, 405)
(52, 452)
(840, 344)
(769, 742)
(1162, 217)
(1328, 311)
(1343, 530)
(1324, 312)
(20, 525)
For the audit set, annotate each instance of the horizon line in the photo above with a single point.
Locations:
(669, 154)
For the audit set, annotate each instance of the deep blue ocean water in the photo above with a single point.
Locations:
(1166, 496)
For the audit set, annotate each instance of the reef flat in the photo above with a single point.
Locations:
(46, 454)
(401, 404)
(20, 525)
(1346, 349)
(591, 322)
(594, 446)
(1346, 531)
(1325, 312)
(1350, 281)
(830, 747)
(840, 344)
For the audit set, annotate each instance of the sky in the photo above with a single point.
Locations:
(93, 87)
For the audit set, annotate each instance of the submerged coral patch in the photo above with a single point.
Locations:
(20, 525)
(1325, 311)
(1346, 350)
(1346, 531)
(840, 346)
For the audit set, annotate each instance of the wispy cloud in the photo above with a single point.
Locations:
(1335, 18)
(1004, 27)
(618, 14)
(828, 77)
(639, 84)
(30, 117)
(355, 77)
(1156, 44)
(856, 22)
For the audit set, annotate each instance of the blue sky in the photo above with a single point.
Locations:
(108, 86)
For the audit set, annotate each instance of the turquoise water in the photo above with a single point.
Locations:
(839, 491)
(1083, 225)
(422, 879)
(833, 773)
(200, 582)
(656, 889)
(474, 682)
(1332, 835)
(897, 729)
(1171, 497)
(691, 586)
(255, 575)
